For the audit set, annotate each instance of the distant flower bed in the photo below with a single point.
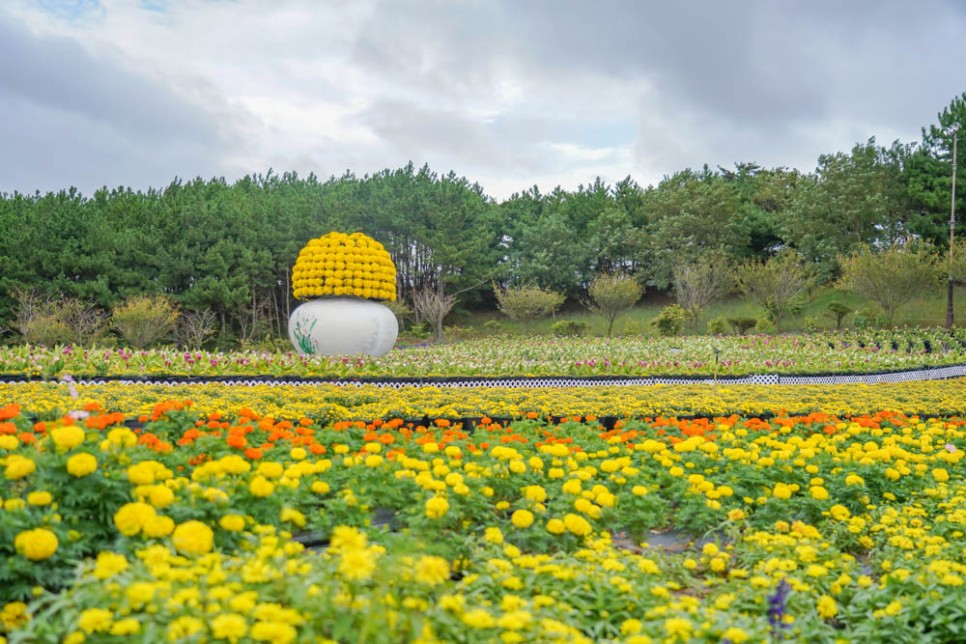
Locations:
(197, 522)
(332, 403)
(700, 356)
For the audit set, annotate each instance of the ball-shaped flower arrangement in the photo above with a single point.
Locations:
(343, 277)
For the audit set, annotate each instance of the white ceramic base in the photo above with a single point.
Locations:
(342, 326)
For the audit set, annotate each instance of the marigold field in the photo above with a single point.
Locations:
(597, 514)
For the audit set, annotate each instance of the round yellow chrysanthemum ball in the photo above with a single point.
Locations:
(344, 265)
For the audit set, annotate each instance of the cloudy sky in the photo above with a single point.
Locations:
(509, 93)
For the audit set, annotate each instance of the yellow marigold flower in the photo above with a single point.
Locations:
(358, 564)
(818, 492)
(736, 514)
(193, 538)
(431, 570)
(577, 525)
(782, 491)
(229, 626)
(940, 474)
(271, 470)
(160, 496)
(75, 637)
(639, 490)
(126, 626)
(735, 635)
(514, 620)
(854, 479)
(184, 627)
(13, 615)
(66, 438)
(18, 467)
(131, 517)
(493, 535)
(320, 487)
(95, 620)
(556, 526)
(232, 523)
(291, 515)
(347, 538)
(37, 544)
(39, 499)
(81, 464)
(9, 442)
(678, 628)
(839, 512)
(275, 632)
(261, 487)
(109, 564)
(478, 618)
(522, 518)
(142, 473)
(436, 507)
(139, 593)
(158, 526)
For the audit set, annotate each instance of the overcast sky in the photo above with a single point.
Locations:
(509, 93)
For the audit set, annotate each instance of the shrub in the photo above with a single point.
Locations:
(718, 325)
(195, 327)
(892, 278)
(778, 285)
(671, 320)
(838, 312)
(701, 281)
(144, 319)
(741, 326)
(613, 294)
(528, 302)
(570, 328)
(45, 320)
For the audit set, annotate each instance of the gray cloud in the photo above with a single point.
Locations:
(509, 93)
(73, 118)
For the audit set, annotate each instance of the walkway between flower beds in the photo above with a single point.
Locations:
(936, 373)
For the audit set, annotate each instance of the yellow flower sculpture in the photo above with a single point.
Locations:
(344, 265)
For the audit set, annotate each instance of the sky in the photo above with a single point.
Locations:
(508, 93)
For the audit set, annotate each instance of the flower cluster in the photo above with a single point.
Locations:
(194, 524)
(344, 265)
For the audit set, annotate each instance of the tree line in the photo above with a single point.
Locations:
(228, 248)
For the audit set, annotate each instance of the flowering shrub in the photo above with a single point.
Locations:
(344, 265)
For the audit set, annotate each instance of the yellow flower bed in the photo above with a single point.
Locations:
(337, 264)
(733, 528)
(368, 402)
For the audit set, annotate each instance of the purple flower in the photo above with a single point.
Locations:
(776, 609)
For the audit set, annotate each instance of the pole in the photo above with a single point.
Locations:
(952, 229)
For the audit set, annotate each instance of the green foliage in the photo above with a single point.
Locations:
(891, 278)
(144, 320)
(779, 285)
(671, 320)
(701, 281)
(718, 325)
(527, 302)
(570, 328)
(613, 294)
(838, 312)
(741, 326)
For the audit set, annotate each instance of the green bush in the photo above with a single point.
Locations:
(671, 320)
(838, 312)
(612, 295)
(719, 325)
(741, 326)
(528, 302)
(144, 320)
(570, 328)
